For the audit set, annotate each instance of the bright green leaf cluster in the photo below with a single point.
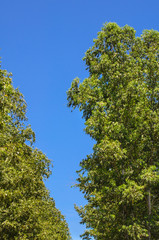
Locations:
(26, 209)
(120, 104)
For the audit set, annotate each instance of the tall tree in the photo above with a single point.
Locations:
(120, 105)
(26, 209)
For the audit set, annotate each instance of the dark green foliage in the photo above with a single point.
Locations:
(120, 105)
(26, 209)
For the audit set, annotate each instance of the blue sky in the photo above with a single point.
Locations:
(42, 42)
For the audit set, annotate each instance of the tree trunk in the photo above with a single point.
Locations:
(149, 213)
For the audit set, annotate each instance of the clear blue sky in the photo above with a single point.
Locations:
(42, 42)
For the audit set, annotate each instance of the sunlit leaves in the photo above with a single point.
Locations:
(120, 104)
(26, 209)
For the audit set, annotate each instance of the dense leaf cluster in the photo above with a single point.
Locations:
(26, 209)
(120, 105)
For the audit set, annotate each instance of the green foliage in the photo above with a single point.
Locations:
(120, 105)
(26, 209)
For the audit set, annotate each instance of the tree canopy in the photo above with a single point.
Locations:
(26, 209)
(120, 105)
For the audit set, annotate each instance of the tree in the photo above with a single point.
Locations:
(120, 105)
(26, 209)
